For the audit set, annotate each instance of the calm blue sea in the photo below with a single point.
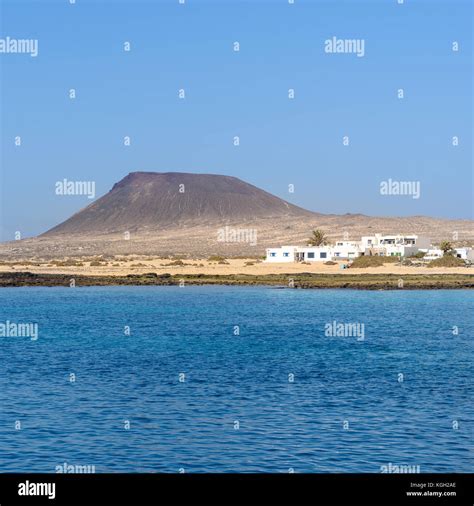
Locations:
(273, 395)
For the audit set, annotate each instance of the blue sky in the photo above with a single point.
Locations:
(243, 94)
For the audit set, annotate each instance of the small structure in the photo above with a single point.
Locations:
(432, 254)
(464, 253)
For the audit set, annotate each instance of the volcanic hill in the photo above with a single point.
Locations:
(150, 201)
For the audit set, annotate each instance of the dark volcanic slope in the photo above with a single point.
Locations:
(150, 201)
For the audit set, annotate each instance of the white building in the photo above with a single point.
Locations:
(464, 253)
(432, 254)
(378, 244)
(341, 250)
(394, 245)
(347, 249)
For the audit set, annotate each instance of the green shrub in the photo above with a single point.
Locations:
(419, 254)
(67, 263)
(373, 261)
(391, 259)
(447, 261)
(94, 259)
(178, 263)
(216, 258)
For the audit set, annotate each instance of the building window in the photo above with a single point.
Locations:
(286, 254)
(323, 255)
(310, 254)
(337, 254)
(272, 254)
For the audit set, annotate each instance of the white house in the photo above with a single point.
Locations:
(347, 249)
(394, 245)
(341, 250)
(432, 254)
(464, 253)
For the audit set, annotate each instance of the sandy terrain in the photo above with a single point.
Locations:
(202, 241)
(141, 265)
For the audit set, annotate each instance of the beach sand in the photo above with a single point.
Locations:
(123, 266)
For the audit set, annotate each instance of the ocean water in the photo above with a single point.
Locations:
(275, 394)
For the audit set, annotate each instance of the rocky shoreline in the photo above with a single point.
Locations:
(300, 280)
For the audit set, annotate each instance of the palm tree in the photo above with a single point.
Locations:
(318, 238)
(446, 247)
